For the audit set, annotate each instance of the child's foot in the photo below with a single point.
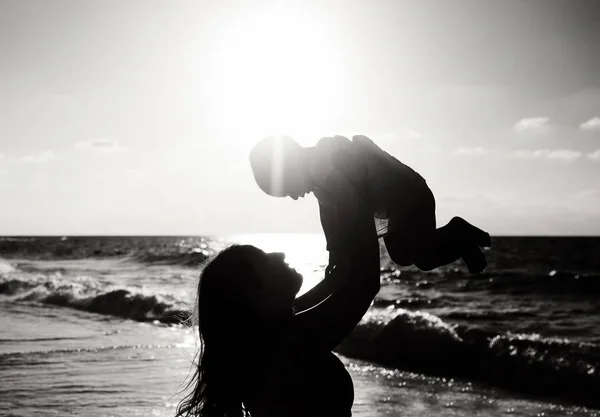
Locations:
(484, 240)
(474, 259)
(474, 234)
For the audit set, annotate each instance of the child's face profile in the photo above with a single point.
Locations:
(295, 179)
(279, 167)
(289, 180)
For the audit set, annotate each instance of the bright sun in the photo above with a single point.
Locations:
(274, 72)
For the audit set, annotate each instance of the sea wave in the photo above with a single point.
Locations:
(496, 281)
(19, 358)
(5, 268)
(552, 282)
(184, 251)
(526, 363)
(118, 302)
(408, 340)
(192, 258)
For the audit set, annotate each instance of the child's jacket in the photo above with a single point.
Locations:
(392, 188)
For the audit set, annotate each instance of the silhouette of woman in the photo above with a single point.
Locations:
(266, 352)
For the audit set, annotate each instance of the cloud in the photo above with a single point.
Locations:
(476, 151)
(40, 157)
(535, 125)
(566, 155)
(595, 155)
(540, 153)
(101, 145)
(591, 125)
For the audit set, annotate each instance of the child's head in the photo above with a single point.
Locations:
(279, 167)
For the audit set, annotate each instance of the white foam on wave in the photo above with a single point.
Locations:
(5, 267)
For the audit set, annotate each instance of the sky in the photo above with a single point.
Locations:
(136, 117)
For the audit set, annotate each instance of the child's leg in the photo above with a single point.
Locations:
(410, 235)
(414, 238)
(398, 249)
(418, 242)
(458, 239)
(411, 225)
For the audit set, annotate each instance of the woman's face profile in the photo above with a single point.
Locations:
(278, 284)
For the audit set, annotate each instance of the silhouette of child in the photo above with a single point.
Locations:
(337, 169)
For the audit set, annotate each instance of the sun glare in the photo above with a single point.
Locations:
(277, 71)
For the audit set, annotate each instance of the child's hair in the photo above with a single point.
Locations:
(267, 159)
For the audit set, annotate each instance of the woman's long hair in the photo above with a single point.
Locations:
(230, 336)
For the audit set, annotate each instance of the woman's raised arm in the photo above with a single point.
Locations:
(330, 282)
(353, 282)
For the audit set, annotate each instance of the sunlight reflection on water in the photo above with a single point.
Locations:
(304, 251)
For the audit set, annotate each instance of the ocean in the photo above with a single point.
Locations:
(92, 326)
